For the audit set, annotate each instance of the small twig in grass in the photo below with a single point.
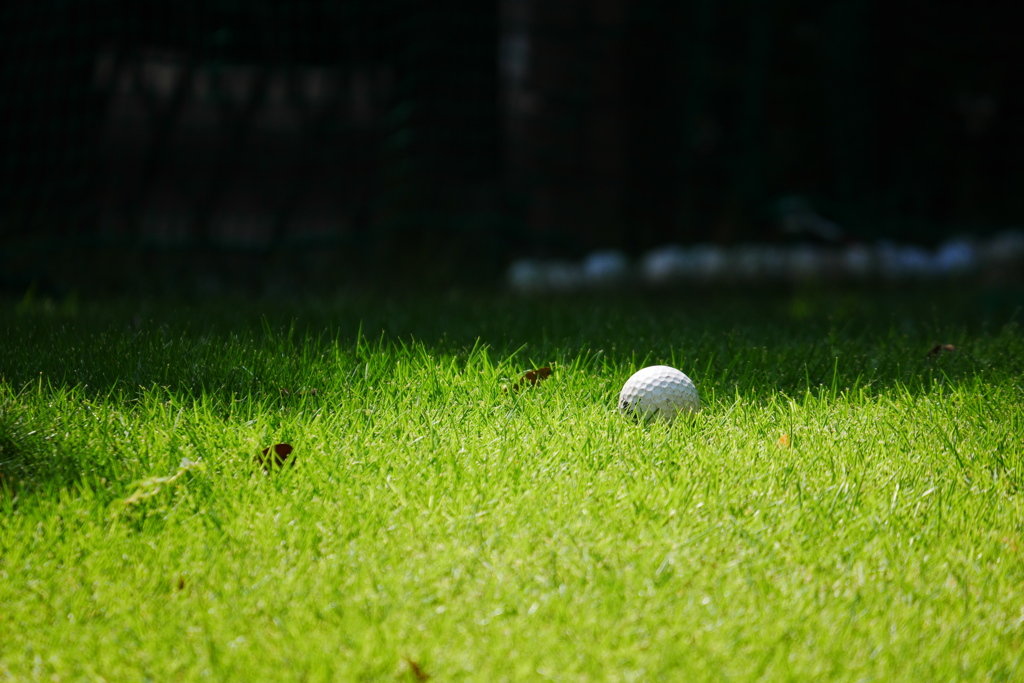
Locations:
(147, 488)
(416, 670)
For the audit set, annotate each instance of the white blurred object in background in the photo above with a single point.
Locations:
(956, 257)
(525, 276)
(999, 258)
(563, 276)
(528, 276)
(805, 263)
(1002, 257)
(708, 262)
(904, 262)
(747, 263)
(1008, 245)
(664, 265)
(773, 263)
(606, 268)
(857, 262)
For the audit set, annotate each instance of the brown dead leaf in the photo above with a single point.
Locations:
(416, 670)
(783, 441)
(275, 456)
(941, 348)
(532, 377)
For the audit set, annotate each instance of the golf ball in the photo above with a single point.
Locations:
(658, 392)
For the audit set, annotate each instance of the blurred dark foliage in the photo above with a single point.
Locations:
(330, 140)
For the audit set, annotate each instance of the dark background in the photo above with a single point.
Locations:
(166, 144)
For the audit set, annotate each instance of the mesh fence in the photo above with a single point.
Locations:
(213, 129)
(331, 137)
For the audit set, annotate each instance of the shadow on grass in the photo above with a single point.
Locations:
(28, 466)
(787, 340)
(291, 354)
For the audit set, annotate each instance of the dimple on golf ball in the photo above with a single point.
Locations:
(658, 392)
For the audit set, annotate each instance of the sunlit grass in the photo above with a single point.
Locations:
(844, 508)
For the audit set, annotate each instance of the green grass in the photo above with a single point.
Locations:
(489, 535)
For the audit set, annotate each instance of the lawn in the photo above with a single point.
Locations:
(846, 507)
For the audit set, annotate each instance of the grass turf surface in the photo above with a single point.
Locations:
(436, 524)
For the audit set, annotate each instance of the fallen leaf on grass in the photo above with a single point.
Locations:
(416, 670)
(274, 456)
(941, 348)
(783, 441)
(532, 377)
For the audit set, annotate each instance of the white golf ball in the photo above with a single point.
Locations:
(658, 392)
